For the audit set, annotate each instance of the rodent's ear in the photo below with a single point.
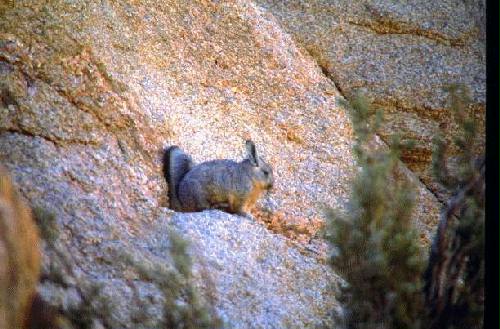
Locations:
(252, 153)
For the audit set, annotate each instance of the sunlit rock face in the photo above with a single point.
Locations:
(401, 55)
(92, 92)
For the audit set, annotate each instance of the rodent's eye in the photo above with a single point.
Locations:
(265, 172)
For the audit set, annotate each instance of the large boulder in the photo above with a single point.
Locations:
(263, 279)
(90, 94)
(401, 55)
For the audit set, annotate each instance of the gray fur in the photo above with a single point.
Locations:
(223, 184)
(176, 164)
(252, 153)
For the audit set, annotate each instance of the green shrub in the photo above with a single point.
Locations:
(94, 305)
(376, 248)
(47, 225)
(454, 278)
(183, 308)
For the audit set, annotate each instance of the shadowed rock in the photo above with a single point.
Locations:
(19, 256)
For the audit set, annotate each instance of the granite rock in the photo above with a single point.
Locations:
(92, 92)
(401, 55)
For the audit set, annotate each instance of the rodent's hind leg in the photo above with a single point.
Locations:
(232, 208)
(201, 203)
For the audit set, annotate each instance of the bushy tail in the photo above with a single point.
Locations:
(176, 164)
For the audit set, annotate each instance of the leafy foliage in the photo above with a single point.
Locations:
(376, 248)
(454, 288)
(47, 225)
(182, 308)
(94, 305)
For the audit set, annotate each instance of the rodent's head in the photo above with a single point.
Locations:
(262, 172)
